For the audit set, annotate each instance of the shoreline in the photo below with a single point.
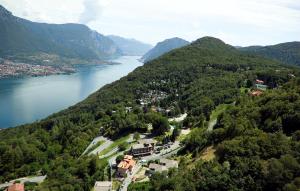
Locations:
(61, 70)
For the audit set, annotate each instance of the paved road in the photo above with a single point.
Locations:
(164, 153)
(36, 179)
(128, 179)
(211, 125)
(179, 119)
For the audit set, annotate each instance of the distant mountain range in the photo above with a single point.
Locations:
(288, 53)
(22, 37)
(164, 47)
(130, 47)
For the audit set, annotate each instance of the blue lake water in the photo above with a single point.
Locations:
(25, 100)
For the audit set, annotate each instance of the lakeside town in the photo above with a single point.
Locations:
(12, 69)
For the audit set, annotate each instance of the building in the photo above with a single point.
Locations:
(259, 84)
(259, 81)
(261, 87)
(16, 187)
(143, 148)
(126, 166)
(103, 186)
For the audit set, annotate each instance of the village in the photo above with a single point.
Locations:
(143, 155)
(12, 69)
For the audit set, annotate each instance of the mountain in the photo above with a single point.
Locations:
(164, 47)
(288, 53)
(130, 47)
(253, 146)
(20, 37)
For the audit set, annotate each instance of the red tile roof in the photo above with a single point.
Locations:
(16, 187)
(127, 162)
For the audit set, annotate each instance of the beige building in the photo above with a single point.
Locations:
(143, 148)
(103, 186)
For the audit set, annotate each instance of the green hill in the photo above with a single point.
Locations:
(288, 53)
(21, 38)
(193, 79)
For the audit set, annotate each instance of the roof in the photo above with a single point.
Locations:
(138, 146)
(157, 167)
(129, 157)
(259, 81)
(103, 186)
(169, 163)
(256, 93)
(147, 141)
(127, 162)
(16, 187)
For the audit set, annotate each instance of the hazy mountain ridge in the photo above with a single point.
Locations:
(164, 47)
(130, 47)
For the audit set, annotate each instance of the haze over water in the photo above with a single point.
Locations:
(26, 100)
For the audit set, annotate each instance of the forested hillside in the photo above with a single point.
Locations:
(288, 53)
(193, 79)
(257, 148)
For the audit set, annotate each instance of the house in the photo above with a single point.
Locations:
(261, 87)
(143, 148)
(126, 166)
(259, 81)
(16, 187)
(256, 93)
(103, 186)
(259, 84)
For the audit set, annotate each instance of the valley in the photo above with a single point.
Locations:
(85, 106)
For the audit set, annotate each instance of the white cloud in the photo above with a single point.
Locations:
(237, 22)
(92, 10)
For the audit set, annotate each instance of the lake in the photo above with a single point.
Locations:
(25, 100)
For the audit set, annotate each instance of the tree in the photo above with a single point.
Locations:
(160, 126)
(175, 134)
(123, 146)
(136, 136)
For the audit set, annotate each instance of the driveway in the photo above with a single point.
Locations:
(211, 125)
(164, 153)
(128, 179)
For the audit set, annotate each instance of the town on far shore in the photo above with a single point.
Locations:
(15, 69)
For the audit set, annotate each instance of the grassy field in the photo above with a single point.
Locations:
(115, 144)
(94, 147)
(219, 109)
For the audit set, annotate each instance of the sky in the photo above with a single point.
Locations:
(237, 22)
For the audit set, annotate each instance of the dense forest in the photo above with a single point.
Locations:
(257, 148)
(288, 52)
(256, 139)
